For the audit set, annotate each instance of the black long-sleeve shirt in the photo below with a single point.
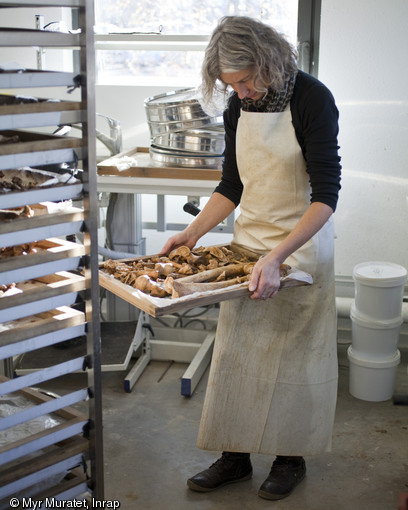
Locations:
(315, 120)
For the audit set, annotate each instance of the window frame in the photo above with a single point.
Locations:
(309, 15)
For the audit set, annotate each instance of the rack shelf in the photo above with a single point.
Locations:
(27, 78)
(16, 113)
(16, 37)
(46, 3)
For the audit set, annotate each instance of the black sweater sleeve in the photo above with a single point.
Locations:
(231, 185)
(315, 120)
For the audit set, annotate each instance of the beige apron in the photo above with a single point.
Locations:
(273, 379)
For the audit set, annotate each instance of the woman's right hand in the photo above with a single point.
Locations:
(216, 209)
(180, 239)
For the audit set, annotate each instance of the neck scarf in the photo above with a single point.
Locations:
(273, 101)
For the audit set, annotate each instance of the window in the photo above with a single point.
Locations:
(191, 16)
(162, 41)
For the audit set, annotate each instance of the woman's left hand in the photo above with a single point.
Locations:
(265, 278)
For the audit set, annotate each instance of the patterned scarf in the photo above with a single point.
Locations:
(272, 101)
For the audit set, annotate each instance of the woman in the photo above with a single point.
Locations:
(273, 380)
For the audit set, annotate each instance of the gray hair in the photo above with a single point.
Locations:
(240, 42)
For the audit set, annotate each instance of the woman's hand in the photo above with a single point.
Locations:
(265, 278)
(180, 239)
(216, 210)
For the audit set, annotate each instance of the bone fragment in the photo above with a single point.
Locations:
(181, 288)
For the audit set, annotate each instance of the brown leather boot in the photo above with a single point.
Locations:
(285, 474)
(231, 467)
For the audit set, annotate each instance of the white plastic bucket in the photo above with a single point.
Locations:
(379, 289)
(373, 381)
(374, 340)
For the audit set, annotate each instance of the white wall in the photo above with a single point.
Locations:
(126, 104)
(363, 49)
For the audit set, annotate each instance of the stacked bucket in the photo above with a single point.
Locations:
(376, 317)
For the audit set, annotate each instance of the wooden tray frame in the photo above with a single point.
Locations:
(144, 166)
(41, 225)
(41, 294)
(157, 307)
(42, 323)
(43, 105)
(56, 255)
(34, 142)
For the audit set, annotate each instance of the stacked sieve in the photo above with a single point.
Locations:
(182, 134)
(376, 318)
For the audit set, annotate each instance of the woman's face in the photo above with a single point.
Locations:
(243, 83)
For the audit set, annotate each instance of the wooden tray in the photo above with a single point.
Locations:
(32, 196)
(137, 163)
(53, 321)
(41, 294)
(47, 221)
(13, 105)
(22, 78)
(54, 255)
(157, 307)
(20, 112)
(34, 142)
(36, 149)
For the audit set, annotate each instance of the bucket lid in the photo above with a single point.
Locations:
(365, 321)
(381, 363)
(380, 274)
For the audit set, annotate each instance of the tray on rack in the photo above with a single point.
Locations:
(158, 306)
(27, 111)
(24, 148)
(41, 258)
(23, 78)
(26, 141)
(52, 321)
(45, 220)
(39, 295)
(40, 186)
(35, 37)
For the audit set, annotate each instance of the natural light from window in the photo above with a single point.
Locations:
(158, 24)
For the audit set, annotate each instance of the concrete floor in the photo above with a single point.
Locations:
(149, 449)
